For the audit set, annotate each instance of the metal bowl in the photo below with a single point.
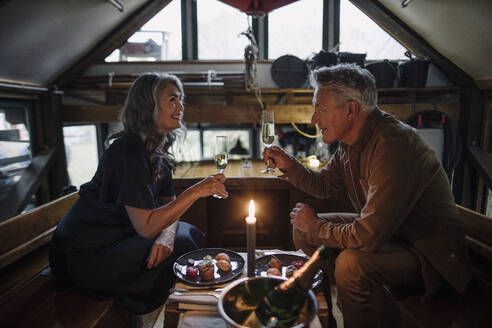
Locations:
(238, 301)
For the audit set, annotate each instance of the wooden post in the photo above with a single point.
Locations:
(53, 137)
(465, 182)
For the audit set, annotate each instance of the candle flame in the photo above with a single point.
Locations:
(251, 217)
(251, 209)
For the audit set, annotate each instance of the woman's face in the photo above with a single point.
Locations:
(170, 109)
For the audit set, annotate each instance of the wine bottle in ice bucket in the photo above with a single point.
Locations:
(282, 306)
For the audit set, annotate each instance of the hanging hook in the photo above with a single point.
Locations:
(117, 4)
(110, 79)
(405, 3)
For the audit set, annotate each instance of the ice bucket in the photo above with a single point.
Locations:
(239, 300)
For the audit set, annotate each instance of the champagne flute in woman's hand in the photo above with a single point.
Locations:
(220, 155)
(268, 133)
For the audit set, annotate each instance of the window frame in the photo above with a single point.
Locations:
(189, 30)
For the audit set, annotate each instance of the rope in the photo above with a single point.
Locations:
(312, 136)
(251, 80)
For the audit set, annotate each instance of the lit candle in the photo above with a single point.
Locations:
(251, 238)
(314, 162)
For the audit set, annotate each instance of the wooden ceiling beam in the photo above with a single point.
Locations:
(113, 40)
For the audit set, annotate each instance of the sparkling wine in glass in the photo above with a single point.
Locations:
(221, 157)
(268, 133)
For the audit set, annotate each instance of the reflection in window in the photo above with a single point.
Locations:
(159, 39)
(187, 148)
(81, 152)
(296, 29)
(15, 152)
(359, 34)
(219, 26)
(232, 137)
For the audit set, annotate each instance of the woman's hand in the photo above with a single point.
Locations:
(162, 248)
(213, 184)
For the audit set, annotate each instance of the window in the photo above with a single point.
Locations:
(296, 29)
(187, 148)
(15, 152)
(359, 34)
(81, 152)
(219, 28)
(233, 136)
(159, 39)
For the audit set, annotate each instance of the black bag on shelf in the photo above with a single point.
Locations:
(324, 58)
(384, 71)
(413, 73)
(348, 57)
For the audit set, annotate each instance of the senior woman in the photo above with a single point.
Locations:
(122, 236)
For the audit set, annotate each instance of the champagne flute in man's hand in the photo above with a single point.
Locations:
(220, 155)
(268, 133)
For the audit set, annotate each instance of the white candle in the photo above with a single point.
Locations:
(251, 238)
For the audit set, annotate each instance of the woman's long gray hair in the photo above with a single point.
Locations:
(139, 116)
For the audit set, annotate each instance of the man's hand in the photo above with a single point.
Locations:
(302, 216)
(276, 157)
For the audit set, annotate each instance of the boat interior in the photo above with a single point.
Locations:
(65, 71)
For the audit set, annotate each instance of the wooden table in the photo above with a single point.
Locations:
(234, 168)
(172, 311)
(223, 219)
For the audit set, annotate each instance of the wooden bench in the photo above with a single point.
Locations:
(28, 297)
(472, 309)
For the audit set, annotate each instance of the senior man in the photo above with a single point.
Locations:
(406, 229)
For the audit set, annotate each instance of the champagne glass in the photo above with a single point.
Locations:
(268, 133)
(220, 155)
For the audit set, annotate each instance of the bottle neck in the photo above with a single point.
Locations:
(304, 276)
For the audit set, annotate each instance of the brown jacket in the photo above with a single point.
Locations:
(401, 192)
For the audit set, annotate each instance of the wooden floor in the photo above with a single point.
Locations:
(154, 319)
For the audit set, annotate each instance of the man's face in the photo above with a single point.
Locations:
(332, 118)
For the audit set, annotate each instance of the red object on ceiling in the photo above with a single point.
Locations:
(257, 7)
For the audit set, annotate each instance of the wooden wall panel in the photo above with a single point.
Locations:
(222, 114)
(274, 199)
(87, 113)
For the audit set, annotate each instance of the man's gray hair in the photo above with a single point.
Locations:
(349, 81)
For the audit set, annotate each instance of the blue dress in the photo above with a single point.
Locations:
(95, 247)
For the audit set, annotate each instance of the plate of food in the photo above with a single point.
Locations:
(283, 265)
(209, 266)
